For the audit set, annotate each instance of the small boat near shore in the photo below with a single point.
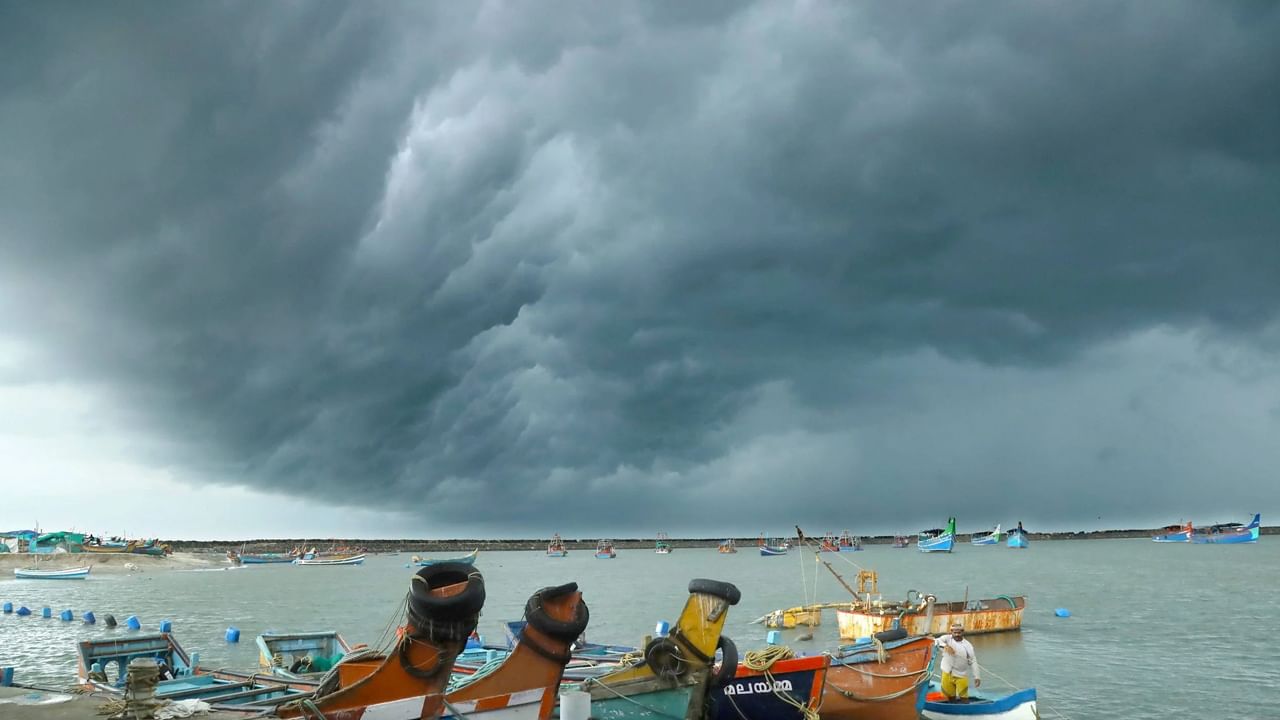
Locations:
(301, 655)
(468, 559)
(329, 561)
(1017, 705)
(663, 546)
(76, 573)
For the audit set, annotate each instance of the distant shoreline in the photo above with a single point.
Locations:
(418, 545)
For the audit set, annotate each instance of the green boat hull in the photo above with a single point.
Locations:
(666, 704)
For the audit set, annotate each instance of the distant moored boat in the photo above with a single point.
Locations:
(1229, 533)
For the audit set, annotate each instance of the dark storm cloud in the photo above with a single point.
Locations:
(616, 261)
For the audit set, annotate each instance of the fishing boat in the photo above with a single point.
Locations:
(1229, 533)
(102, 665)
(989, 538)
(1175, 533)
(408, 681)
(828, 543)
(727, 547)
(924, 615)
(776, 686)
(264, 558)
(468, 559)
(901, 541)
(1017, 705)
(801, 615)
(663, 546)
(329, 561)
(769, 548)
(300, 655)
(938, 539)
(605, 551)
(881, 678)
(848, 543)
(556, 547)
(76, 573)
(670, 679)
(1018, 538)
(108, 548)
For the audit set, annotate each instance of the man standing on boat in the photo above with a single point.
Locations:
(959, 661)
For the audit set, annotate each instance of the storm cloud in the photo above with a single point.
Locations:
(633, 267)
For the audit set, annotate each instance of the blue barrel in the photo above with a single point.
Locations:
(8, 608)
(46, 612)
(662, 628)
(1062, 612)
(66, 615)
(89, 617)
(23, 611)
(166, 626)
(233, 634)
(6, 677)
(133, 623)
(773, 637)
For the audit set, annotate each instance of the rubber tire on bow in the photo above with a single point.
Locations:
(723, 590)
(453, 607)
(662, 655)
(728, 663)
(566, 630)
(885, 636)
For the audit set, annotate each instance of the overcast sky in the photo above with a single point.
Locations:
(503, 269)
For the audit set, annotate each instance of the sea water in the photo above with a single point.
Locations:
(1156, 630)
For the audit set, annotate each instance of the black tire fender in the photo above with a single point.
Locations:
(538, 617)
(723, 590)
(885, 636)
(662, 655)
(728, 663)
(453, 607)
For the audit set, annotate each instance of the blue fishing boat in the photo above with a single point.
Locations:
(263, 558)
(468, 559)
(301, 655)
(938, 539)
(1019, 705)
(1175, 533)
(77, 573)
(771, 549)
(1229, 533)
(787, 688)
(991, 538)
(1018, 538)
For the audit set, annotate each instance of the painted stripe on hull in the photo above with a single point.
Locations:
(405, 709)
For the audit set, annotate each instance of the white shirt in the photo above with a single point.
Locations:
(961, 660)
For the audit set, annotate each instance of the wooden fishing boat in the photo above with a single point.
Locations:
(109, 548)
(663, 546)
(938, 539)
(556, 547)
(468, 559)
(1175, 533)
(1018, 705)
(265, 558)
(76, 573)
(330, 561)
(102, 666)
(989, 538)
(1018, 539)
(727, 547)
(880, 679)
(301, 655)
(605, 551)
(901, 541)
(771, 689)
(672, 679)
(1229, 533)
(848, 543)
(769, 548)
(923, 615)
(408, 682)
(525, 686)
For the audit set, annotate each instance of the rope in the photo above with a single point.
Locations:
(762, 661)
(988, 671)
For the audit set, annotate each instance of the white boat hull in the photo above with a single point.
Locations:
(79, 573)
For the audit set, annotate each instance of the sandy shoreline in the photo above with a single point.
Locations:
(110, 563)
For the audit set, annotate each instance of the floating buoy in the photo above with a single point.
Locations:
(166, 626)
(89, 617)
(1062, 612)
(109, 620)
(23, 611)
(8, 608)
(233, 634)
(66, 615)
(133, 623)
(6, 677)
(773, 637)
(662, 628)
(46, 613)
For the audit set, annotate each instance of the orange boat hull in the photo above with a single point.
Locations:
(873, 690)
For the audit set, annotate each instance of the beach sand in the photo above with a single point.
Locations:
(111, 563)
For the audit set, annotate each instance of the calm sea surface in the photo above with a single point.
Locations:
(1157, 631)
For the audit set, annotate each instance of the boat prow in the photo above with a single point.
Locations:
(1019, 705)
